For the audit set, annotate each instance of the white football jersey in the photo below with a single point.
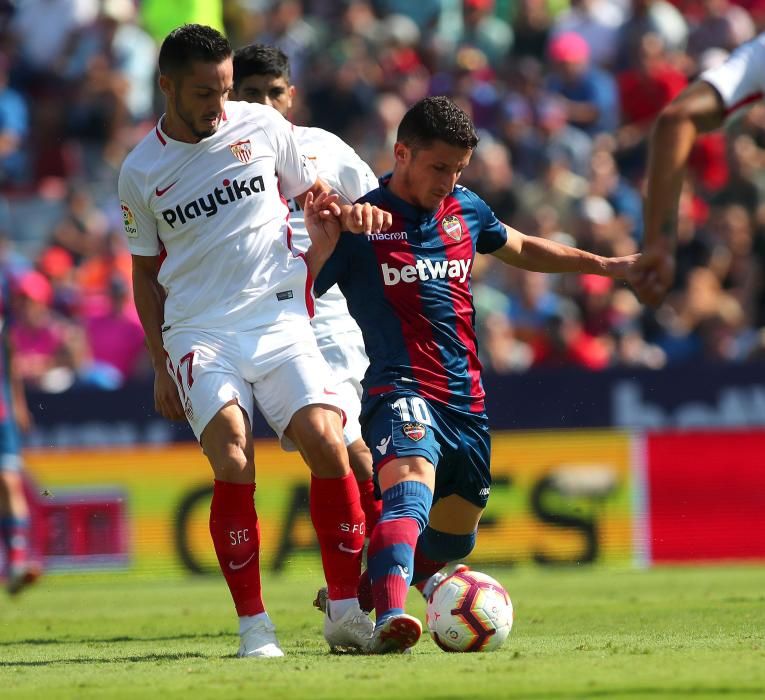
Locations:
(341, 168)
(740, 80)
(218, 210)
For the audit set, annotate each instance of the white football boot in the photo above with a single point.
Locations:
(350, 633)
(259, 640)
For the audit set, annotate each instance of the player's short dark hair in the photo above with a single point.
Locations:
(437, 119)
(260, 59)
(189, 43)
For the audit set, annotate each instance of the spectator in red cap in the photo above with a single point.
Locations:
(597, 22)
(590, 95)
(37, 334)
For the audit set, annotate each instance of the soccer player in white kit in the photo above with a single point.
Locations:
(262, 75)
(224, 302)
(703, 106)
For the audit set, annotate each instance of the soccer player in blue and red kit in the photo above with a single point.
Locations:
(15, 535)
(423, 407)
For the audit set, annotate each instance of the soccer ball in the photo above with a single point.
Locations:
(469, 611)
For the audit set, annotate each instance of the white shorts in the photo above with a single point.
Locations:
(344, 353)
(279, 369)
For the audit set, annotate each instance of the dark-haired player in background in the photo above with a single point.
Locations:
(423, 407)
(225, 313)
(703, 106)
(262, 75)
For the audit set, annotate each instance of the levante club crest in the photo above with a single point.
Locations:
(414, 431)
(452, 227)
(242, 150)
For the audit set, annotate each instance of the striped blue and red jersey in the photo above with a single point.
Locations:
(409, 290)
(5, 369)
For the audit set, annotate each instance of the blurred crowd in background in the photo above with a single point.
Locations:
(563, 94)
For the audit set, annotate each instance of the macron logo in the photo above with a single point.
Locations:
(382, 446)
(388, 236)
(426, 270)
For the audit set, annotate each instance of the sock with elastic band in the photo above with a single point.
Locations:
(391, 549)
(339, 523)
(235, 533)
(435, 549)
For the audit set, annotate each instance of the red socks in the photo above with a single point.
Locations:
(339, 523)
(236, 537)
(371, 506)
(424, 568)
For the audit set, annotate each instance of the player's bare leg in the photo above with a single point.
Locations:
(338, 519)
(234, 528)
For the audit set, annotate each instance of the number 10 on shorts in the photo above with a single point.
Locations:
(412, 408)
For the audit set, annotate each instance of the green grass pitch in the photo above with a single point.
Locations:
(579, 633)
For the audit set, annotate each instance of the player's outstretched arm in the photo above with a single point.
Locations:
(696, 110)
(149, 302)
(543, 255)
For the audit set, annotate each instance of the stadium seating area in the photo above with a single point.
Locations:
(563, 95)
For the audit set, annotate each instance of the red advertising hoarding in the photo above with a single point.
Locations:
(705, 496)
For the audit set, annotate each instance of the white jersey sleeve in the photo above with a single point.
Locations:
(349, 175)
(339, 166)
(137, 219)
(295, 171)
(741, 79)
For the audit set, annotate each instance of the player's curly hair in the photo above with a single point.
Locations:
(191, 42)
(437, 119)
(260, 59)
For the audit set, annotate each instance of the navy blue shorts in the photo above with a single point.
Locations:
(457, 444)
(10, 447)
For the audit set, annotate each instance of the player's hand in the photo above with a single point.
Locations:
(619, 267)
(322, 220)
(167, 402)
(652, 276)
(366, 218)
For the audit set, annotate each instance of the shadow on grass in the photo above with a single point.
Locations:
(134, 658)
(121, 638)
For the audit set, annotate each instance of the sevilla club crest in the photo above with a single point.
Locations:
(242, 150)
(414, 431)
(452, 227)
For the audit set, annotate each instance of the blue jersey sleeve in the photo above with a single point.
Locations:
(336, 268)
(493, 234)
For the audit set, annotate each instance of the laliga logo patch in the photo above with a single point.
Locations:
(452, 227)
(242, 150)
(414, 431)
(128, 221)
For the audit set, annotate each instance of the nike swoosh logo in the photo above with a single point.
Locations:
(236, 567)
(343, 548)
(159, 192)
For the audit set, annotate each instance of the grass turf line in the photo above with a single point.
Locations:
(579, 633)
